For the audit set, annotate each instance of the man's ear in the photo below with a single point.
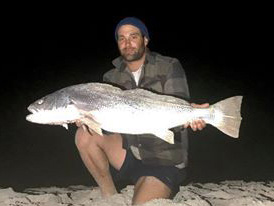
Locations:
(146, 41)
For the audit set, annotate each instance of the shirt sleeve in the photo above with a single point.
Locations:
(176, 82)
(106, 76)
(176, 85)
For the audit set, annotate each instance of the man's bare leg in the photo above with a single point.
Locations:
(148, 188)
(97, 152)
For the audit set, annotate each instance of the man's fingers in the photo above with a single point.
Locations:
(84, 127)
(205, 105)
(78, 123)
(193, 126)
(186, 125)
(197, 125)
(87, 129)
(201, 124)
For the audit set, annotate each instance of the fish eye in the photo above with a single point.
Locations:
(41, 101)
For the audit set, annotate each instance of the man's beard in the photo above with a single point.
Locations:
(136, 55)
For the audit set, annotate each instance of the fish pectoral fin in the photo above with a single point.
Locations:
(93, 125)
(166, 135)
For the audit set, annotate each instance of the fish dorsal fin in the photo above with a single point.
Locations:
(148, 95)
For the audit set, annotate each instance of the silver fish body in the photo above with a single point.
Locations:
(137, 111)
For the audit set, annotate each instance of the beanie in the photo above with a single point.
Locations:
(135, 22)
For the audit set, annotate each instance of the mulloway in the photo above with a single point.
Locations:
(138, 111)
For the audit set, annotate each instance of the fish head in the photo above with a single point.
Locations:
(57, 108)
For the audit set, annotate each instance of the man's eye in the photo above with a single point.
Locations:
(121, 39)
(134, 37)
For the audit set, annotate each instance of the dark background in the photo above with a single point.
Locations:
(225, 50)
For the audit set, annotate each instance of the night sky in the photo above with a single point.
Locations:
(225, 50)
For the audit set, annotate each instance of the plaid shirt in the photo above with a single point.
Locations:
(163, 75)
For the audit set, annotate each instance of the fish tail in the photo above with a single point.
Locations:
(227, 115)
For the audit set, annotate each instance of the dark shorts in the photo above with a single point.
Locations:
(132, 169)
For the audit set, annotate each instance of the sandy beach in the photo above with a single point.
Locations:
(224, 50)
(195, 194)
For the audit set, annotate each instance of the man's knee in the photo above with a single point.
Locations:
(148, 188)
(82, 138)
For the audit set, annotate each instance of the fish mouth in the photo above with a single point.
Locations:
(29, 117)
(32, 111)
(52, 115)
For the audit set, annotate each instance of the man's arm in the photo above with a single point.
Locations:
(177, 85)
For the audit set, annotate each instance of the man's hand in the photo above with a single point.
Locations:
(197, 124)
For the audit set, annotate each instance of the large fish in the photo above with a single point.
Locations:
(138, 111)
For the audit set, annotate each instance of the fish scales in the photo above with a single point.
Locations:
(136, 111)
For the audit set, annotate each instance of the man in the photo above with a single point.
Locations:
(155, 167)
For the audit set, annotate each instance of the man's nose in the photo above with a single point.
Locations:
(128, 42)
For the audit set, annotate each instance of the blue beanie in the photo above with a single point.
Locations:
(135, 22)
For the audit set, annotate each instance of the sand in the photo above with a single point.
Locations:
(195, 194)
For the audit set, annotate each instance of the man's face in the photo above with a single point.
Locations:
(131, 43)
